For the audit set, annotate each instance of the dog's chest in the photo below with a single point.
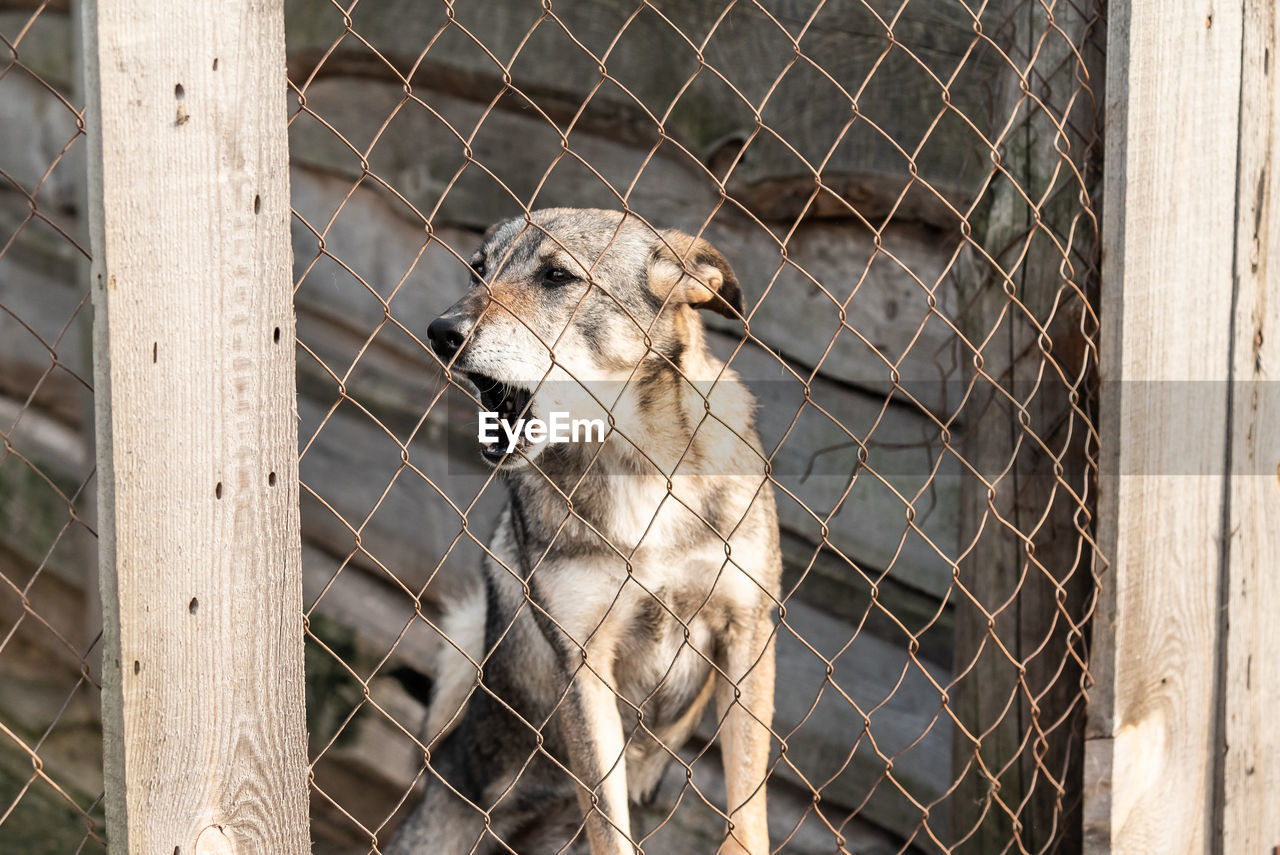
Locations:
(664, 655)
(633, 513)
(657, 626)
(603, 599)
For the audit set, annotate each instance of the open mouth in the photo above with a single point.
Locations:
(510, 403)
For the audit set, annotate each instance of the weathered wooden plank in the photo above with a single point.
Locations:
(847, 49)
(827, 744)
(1099, 747)
(696, 829)
(379, 612)
(35, 127)
(36, 682)
(1024, 586)
(39, 480)
(40, 245)
(1251, 680)
(865, 506)
(407, 523)
(420, 153)
(374, 251)
(1166, 308)
(35, 648)
(884, 292)
(830, 584)
(39, 283)
(41, 299)
(197, 434)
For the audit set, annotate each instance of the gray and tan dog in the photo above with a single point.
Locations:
(629, 580)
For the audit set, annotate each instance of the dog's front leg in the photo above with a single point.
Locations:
(745, 707)
(593, 732)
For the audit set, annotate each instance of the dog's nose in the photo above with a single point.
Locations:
(447, 333)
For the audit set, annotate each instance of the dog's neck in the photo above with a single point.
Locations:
(663, 434)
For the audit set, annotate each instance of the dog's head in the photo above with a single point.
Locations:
(569, 302)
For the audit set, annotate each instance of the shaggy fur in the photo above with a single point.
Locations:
(628, 581)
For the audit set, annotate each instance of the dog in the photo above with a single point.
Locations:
(629, 580)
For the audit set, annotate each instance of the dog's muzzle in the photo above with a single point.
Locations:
(447, 334)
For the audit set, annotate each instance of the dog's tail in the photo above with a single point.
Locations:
(461, 650)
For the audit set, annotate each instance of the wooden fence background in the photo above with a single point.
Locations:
(347, 466)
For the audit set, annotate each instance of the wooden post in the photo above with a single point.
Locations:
(1250, 768)
(196, 430)
(1184, 639)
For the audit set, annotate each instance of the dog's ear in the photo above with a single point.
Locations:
(698, 273)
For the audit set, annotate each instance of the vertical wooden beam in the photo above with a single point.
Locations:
(1025, 573)
(1170, 216)
(197, 445)
(1250, 786)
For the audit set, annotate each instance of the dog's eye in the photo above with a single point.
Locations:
(557, 276)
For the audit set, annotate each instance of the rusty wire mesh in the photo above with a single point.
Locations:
(906, 189)
(50, 738)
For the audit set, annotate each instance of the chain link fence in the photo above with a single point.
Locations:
(50, 737)
(906, 191)
(907, 194)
